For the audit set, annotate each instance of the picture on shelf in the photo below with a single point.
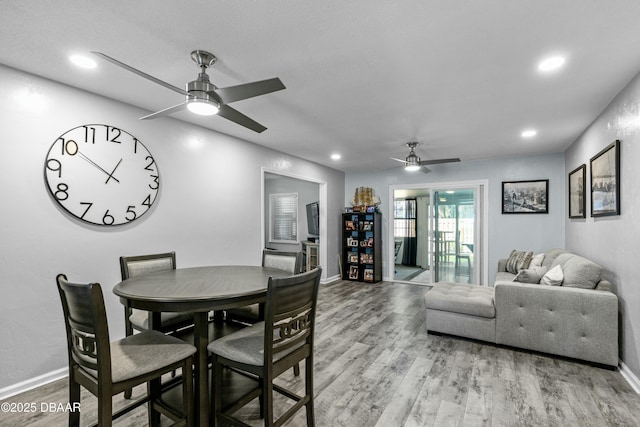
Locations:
(366, 226)
(352, 242)
(353, 258)
(349, 225)
(366, 258)
(353, 272)
(368, 274)
(370, 242)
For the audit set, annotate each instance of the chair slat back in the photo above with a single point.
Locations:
(86, 324)
(282, 260)
(290, 312)
(133, 266)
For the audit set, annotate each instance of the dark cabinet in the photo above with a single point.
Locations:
(362, 247)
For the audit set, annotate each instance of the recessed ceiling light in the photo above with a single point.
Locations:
(552, 63)
(529, 133)
(336, 156)
(83, 61)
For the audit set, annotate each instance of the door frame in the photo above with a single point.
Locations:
(484, 221)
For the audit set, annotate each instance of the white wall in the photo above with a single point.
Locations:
(208, 211)
(535, 232)
(613, 241)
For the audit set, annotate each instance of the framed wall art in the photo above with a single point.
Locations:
(577, 183)
(605, 181)
(525, 197)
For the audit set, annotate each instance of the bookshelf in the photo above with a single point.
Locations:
(362, 247)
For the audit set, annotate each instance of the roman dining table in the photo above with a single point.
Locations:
(198, 290)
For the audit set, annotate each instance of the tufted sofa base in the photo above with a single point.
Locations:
(570, 322)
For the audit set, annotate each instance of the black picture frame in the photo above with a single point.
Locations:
(605, 181)
(577, 185)
(525, 197)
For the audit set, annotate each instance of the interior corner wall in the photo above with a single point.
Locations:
(535, 232)
(613, 241)
(207, 210)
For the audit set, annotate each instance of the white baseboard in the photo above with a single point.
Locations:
(629, 376)
(32, 383)
(331, 279)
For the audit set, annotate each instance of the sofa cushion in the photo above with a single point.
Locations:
(553, 277)
(461, 298)
(503, 276)
(530, 275)
(536, 260)
(580, 272)
(518, 260)
(550, 256)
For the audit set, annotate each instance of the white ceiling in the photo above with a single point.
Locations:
(363, 77)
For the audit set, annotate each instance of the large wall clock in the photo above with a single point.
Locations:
(102, 175)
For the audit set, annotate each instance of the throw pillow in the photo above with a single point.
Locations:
(518, 260)
(553, 277)
(536, 260)
(530, 275)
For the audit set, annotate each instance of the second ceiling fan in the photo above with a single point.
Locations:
(413, 163)
(203, 97)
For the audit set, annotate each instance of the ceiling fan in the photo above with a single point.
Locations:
(203, 97)
(413, 163)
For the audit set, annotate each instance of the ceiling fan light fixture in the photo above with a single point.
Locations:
(203, 108)
(412, 168)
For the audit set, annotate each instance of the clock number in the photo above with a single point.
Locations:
(151, 162)
(131, 210)
(156, 181)
(108, 219)
(69, 147)
(54, 165)
(88, 204)
(116, 136)
(63, 191)
(89, 134)
(147, 201)
(135, 145)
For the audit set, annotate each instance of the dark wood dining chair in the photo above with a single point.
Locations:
(134, 319)
(269, 348)
(107, 368)
(138, 320)
(282, 260)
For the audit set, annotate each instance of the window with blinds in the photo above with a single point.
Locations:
(283, 217)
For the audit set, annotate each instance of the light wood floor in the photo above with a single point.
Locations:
(376, 366)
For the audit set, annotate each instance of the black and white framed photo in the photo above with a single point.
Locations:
(577, 183)
(525, 197)
(605, 181)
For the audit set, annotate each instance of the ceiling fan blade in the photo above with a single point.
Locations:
(425, 169)
(141, 73)
(166, 111)
(249, 90)
(437, 161)
(398, 160)
(239, 118)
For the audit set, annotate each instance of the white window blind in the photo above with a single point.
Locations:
(283, 217)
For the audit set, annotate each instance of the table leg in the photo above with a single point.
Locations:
(154, 387)
(201, 340)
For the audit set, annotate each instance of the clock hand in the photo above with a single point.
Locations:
(112, 172)
(83, 156)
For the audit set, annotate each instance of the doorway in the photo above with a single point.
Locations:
(438, 233)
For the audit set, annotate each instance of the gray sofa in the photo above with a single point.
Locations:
(577, 318)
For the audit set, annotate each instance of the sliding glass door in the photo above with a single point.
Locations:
(438, 232)
(455, 237)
